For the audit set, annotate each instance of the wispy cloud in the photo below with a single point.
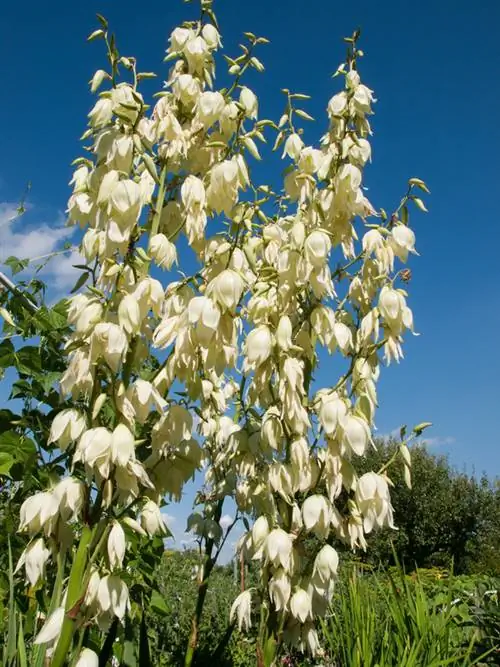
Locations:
(35, 241)
(440, 440)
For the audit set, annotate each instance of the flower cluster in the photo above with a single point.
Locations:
(242, 337)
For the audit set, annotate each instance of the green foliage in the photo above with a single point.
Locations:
(172, 610)
(446, 519)
(389, 619)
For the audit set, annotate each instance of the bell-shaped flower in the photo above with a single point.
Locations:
(374, 502)
(316, 514)
(143, 396)
(87, 658)
(196, 51)
(151, 519)
(129, 314)
(258, 347)
(121, 153)
(326, 563)
(67, 426)
(125, 200)
(317, 247)
(226, 289)
(52, 627)
(179, 38)
(284, 333)
(242, 610)
(122, 445)
(94, 450)
(39, 512)
(34, 559)
(293, 146)
(222, 192)
(116, 546)
(101, 113)
(355, 434)
(310, 160)
(70, 495)
(272, 429)
(109, 341)
(337, 104)
(280, 590)
(260, 531)
(332, 410)
(187, 89)
(162, 251)
(112, 596)
(205, 314)
(209, 107)
(403, 241)
(300, 605)
(278, 548)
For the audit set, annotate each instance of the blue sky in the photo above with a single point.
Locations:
(434, 68)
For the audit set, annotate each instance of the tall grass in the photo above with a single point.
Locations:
(390, 620)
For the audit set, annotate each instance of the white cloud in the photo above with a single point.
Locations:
(440, 440)
(168, 519)
(32, 241)
(36, 240)
(226, 521)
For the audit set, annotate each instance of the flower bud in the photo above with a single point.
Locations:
(249, 102)
(284, 333)
(211, 36)
(116, 546)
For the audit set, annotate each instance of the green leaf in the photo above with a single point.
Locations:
(7, 354)
(144, 653)
(80, 282)
(16, 265)
(21, 645)
(19, 447)
(6, 463)
(28, 360)
(158, 603)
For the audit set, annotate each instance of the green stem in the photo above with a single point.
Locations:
(159, 201)
(202, 593)
(74, 594)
